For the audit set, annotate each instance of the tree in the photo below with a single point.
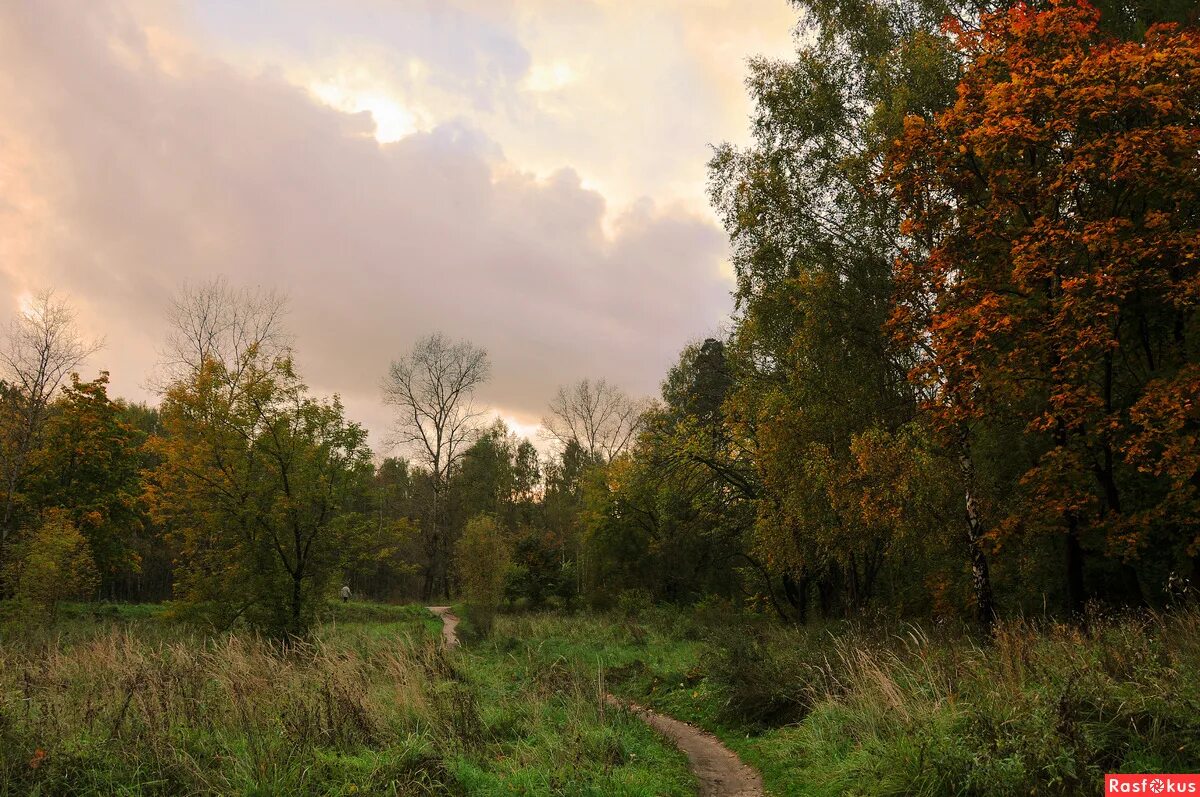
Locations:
(559, 513)
(486, 480)
(810, 365)
(258, 488)
(259, 485)
(597, 416)
(216, 321)
(670, 514)
(41, 348)
(498, 475)
(431, 391)
(1050, 272)
(540, 567)
(482, 558)
(54, 564)
(527, 472)
(88, 465)
(149, 578)
(386, 568)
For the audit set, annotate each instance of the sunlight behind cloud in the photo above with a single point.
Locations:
(392, 120)
(530, 431)
(549, 77)
(533, 170)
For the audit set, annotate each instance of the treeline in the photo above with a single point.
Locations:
(242, 497)
(961, 380)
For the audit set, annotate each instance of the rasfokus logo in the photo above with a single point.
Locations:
(1151, 784)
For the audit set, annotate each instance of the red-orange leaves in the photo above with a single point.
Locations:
(1051, 270)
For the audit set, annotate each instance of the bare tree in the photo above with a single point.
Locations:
(41, 348)
(216, 321)
(431, 390)
(597, 416)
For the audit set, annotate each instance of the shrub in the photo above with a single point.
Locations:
(53, 565)
(482, 559)
(762, 683)
(633, 603)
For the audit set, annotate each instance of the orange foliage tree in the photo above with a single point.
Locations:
(1050, 274)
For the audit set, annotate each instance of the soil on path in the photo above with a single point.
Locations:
(449, 623)
(717, 768)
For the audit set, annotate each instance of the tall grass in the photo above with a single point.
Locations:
(118, 701)
(233, 714)
(1042, 708)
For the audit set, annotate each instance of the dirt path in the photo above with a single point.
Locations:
(449, 623)
(717, 768)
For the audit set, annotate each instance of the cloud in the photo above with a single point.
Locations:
(130, 168)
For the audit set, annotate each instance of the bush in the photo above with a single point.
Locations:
(482, 559)
(634, 603)
(1037, 709)
(53, 565)
(763, 684)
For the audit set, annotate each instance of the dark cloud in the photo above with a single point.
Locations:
(137, 171)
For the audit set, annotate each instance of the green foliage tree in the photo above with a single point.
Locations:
(40, 348)
(88, 464)
(52, 564)
(257, 485)
(482, 558)
(814, 239)
(387, 566)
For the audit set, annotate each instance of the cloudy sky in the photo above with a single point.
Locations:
(526, 174)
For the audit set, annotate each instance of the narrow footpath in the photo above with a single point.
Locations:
(718, 770)
(449, 624)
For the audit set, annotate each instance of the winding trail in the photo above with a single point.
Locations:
(449, 624)
(718, 770)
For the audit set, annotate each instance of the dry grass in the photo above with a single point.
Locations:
(373, 704)
(232, 714)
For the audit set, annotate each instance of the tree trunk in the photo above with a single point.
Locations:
(1106, 476)
(797, 597)
(981, 579)
(1076, 593)
(827, 586)
(297, 598)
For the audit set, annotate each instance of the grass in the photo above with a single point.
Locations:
(1042, 709)
(119, 699)
(122, 700)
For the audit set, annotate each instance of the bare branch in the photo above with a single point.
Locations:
(431, 390)
(215, 321)
(599, 417)
(41, 348)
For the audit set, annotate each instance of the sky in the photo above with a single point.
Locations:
(528, 175)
